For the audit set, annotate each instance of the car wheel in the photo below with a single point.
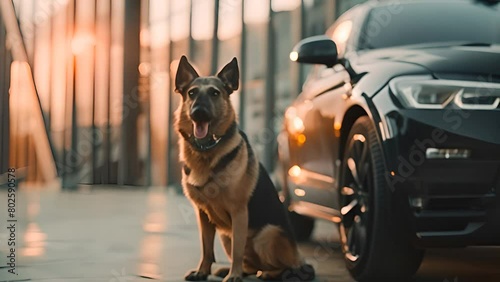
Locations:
(303, 226)
(374, 246)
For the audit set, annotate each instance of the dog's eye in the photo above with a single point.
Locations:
(191, 92)
(215, 93)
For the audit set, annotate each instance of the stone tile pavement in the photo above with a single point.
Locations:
(116, 234)
(112, 235)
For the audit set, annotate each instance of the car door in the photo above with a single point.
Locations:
(313, 134)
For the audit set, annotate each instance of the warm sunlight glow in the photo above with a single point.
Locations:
(336, 129)
(336, 219)
(150, 252)
(21, 104)
(297, 125)
(34, 240)
(299, 192)
(342, 32)
(155, 222)
(290, 113)
(203, 19)
(145, 37)
(82, 42)
(229, 19)
(144, 68)
(159, 31)
(180, 19)
(285, 5)
(256, 11)
(348, 191)
(337, 126)
(359, 137)
(294, 171)
(301, 139)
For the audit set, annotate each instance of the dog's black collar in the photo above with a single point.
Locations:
(212, 142)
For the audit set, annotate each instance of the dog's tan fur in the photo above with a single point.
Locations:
(221, 197)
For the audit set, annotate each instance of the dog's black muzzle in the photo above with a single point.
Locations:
(200, 113)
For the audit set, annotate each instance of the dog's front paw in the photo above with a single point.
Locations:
(233, 279)
(196, 276)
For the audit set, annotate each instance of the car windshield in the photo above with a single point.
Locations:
(425, 22)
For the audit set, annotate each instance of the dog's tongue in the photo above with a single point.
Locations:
(200, 129)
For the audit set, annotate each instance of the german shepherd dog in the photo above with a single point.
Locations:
(230, 190)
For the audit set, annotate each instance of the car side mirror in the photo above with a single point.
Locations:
(315, 50)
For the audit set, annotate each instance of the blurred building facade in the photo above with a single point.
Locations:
(102, 75)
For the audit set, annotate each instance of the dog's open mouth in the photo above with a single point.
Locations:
(200, 129)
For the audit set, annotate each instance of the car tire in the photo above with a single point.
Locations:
(376, 240)
(303, 226)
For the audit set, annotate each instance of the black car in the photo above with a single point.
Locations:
(396, 134)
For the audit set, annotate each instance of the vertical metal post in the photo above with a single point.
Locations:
(301, 76)
(107, 134)
(243, 62)
(73, 169)
(129, 154)
(4, 99)
(191, 40)
(170, 92)
(93, 131)
(72, 183)
(146, 52)
(67, 161)
(100, 130)
(48, 118)
(215, 40)
(270, 147)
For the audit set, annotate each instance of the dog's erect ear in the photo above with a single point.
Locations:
(230, 76)
(185, 75)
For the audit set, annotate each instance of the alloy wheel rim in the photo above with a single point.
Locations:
(355, 198)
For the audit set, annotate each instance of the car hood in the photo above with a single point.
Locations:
(472, 63)
(451, 59)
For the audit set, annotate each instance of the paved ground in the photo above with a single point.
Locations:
(121, 235)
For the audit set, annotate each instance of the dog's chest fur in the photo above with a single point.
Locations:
(222, 184)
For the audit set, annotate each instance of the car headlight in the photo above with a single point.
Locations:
(424, 92)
